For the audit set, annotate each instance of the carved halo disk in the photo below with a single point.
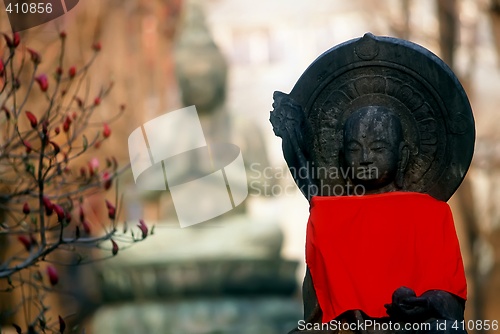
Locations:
(420, 88)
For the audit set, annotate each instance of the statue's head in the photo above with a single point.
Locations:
(200, 66)
(202, 81)
(375, 152)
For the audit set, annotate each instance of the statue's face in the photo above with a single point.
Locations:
(198, 86)
(202, 80)
(372, 145)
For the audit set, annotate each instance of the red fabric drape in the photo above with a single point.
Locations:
(360, 249)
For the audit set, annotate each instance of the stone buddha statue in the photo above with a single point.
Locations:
(199, 278)
(202, 71)
(381, 248)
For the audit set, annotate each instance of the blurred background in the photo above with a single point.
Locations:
(241, 272)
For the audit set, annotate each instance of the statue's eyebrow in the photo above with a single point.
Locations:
(353, 141)
(380, 141)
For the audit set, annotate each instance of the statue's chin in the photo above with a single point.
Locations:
(202, 104)
(374, 185)
(369, 182)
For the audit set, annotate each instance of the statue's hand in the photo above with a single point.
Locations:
(290, 124)
(406, 306)
(287, 114)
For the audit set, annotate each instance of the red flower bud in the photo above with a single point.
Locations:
(57, 130)
(112, 213)
(26, 208)
(52, 273)
(14, 42)
(62, 34)
(67, 124)
(96, 46)
(59, 71)
(83, 172)
(29, 148)
(26, 241)
(59, 212)
(86, 226)
(111, 210)
(107, 180)
(143, 227)
(107, 131)
(43, 82)
(16, 39)
(93, 166)
(72, 72)
(115, 248)
(32, 119)
(49, 207)
(97, 101)
(35, 56)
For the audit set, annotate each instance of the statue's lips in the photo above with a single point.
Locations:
(367, 177)
(365, 173)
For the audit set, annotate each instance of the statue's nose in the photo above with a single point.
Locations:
(366, 157)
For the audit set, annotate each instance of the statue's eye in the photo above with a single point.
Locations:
(378, 148)
(353, 148)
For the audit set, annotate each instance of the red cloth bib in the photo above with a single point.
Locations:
(360, 249)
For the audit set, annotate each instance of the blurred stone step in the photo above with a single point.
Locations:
(268, 315)
(275, 277)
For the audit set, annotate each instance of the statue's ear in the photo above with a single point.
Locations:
(404, 157)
